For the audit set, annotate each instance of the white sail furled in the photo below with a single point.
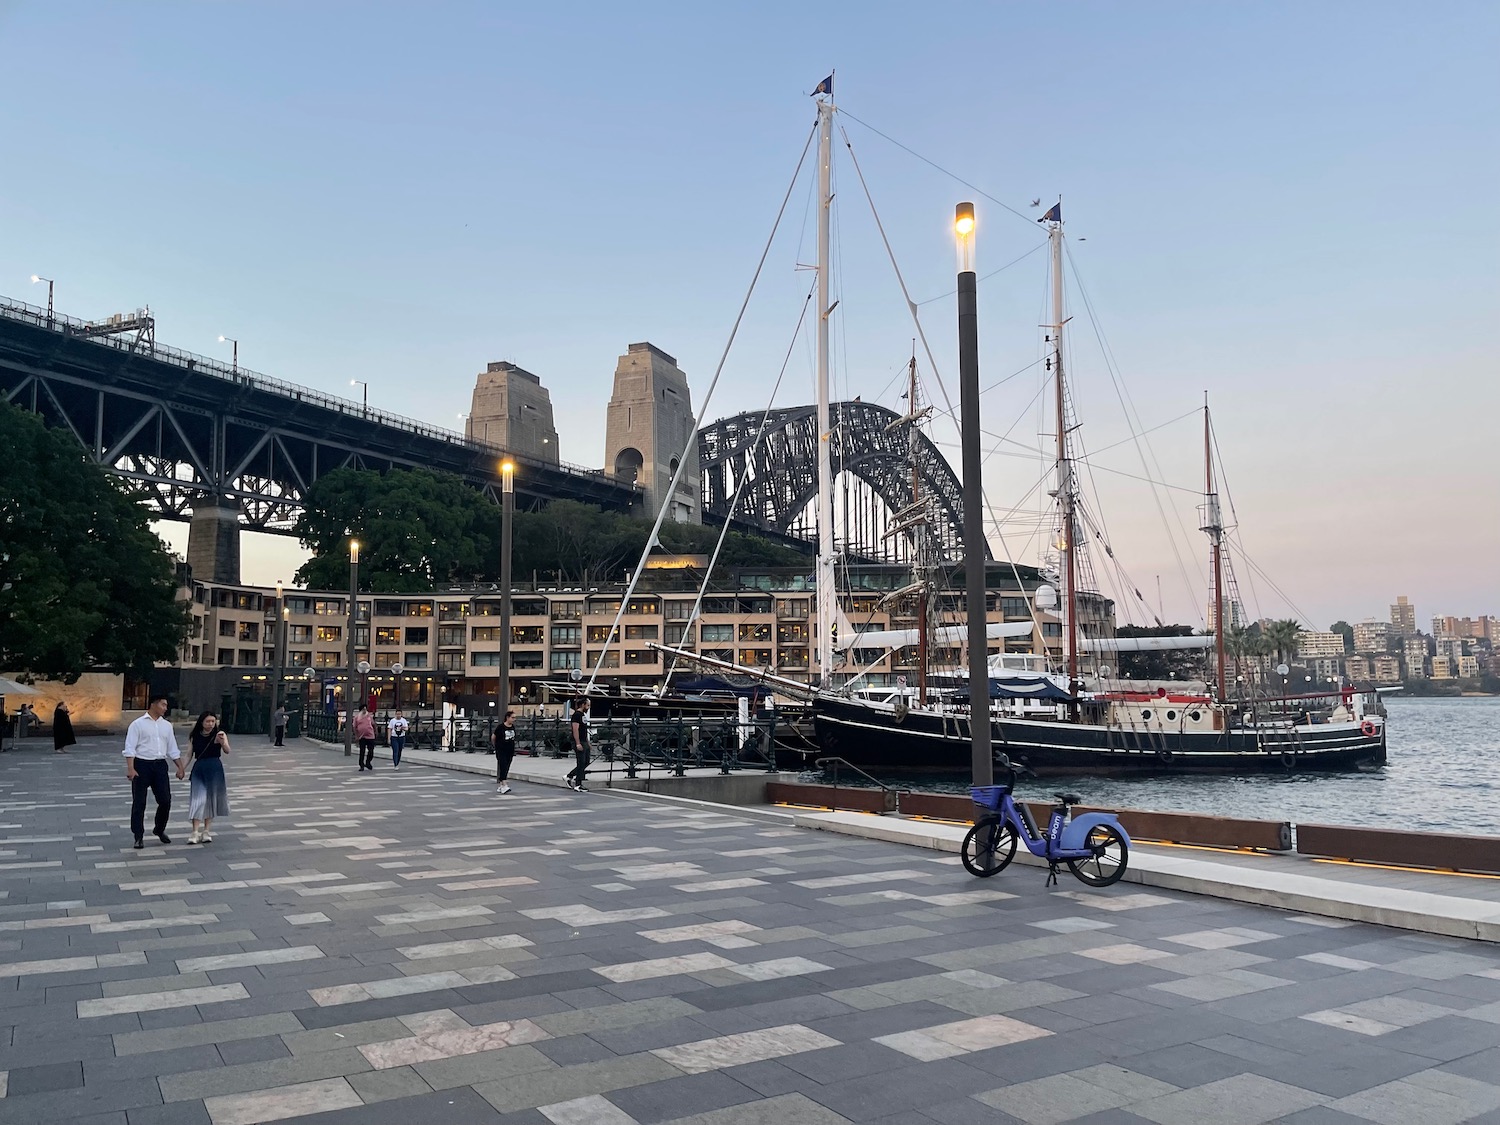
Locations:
(951, 634)
(1145, 644)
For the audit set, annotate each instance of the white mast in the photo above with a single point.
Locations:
(827, 595)
(1066, 495)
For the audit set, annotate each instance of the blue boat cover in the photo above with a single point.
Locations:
(1038, 687)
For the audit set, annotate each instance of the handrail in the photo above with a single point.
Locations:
(821, 764)
(11, 309)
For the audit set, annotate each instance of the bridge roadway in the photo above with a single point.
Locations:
(371, 948)
(185, 426)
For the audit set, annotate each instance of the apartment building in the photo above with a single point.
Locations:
(1404, 617)
(1314, 645)
(446, 644)
(1372, 637)
(1414, 656)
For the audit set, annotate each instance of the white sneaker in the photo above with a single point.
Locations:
(505, 788)
(581, 787)
(571, 783)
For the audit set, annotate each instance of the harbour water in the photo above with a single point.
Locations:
(1443, 775)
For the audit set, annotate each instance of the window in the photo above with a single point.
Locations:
(526, 659)
(795, 609)
(642, 656)
(724, 654)
(362, 636)
(719, 605)
(417, 634)
(249, 631)
(452, 611)
(249, 658)
(226, 656)
(863, 603)
(794, 658)
(640, 632)
(676, 610)
(385, 659)
(716, 634)
(611, 659)
(866, 656)
(418, 609)
(450, 636)
(300, 659)
(566, 611)
(226, 628)
(414, 660)
(300, 635)
(526, 634)
(1015, 607)
(1051, 628)
(794, 634)
(387, 636)
(566, 661)
(675, 634)
(450, 662)
(387, 609)
(485, 659)
(326, 660)
(598, 634)
(299, 605)
(330, 634)
(567, 635)
(756, 657)
(329, 607)
(528, 607)
(610, 606)
(485, 633)
(755, 605)
(755, 632)
(362, 611)
(642, 606)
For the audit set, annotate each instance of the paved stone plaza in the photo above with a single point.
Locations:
(414, 948)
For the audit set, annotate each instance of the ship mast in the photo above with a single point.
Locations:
(1066, 491)
(921, 542)
(1213, 524)
(827, 596)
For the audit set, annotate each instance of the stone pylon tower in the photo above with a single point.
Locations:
(650, 418)
(512, 409)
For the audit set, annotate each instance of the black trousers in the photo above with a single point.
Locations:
(503, 758)
(367, 753)
(149, 777)
(280, 733)
(581, 768)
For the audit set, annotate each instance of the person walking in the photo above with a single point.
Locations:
(149, 743)
(505, 751)
(208, 796)
(364, 730)
(62, 728)
(278, 723)
(397, 729)
(579, 725)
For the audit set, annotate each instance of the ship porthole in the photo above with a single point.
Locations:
(1194, 717)
(1171, 716)
(1146, 714)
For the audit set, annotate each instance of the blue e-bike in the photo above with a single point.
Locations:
(1094, 846)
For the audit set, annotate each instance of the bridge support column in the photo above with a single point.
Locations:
(214, 541)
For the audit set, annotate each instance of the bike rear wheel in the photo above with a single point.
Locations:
(989, 847)
(1111, 855)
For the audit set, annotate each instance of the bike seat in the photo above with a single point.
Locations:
(1068, 798)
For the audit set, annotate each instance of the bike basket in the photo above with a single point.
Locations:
(987, 796)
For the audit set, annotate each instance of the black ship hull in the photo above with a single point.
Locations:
(873, 738)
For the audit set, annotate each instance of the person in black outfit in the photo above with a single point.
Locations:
(579, 726)
(505, 751)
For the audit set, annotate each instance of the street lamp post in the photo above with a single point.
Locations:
(236, 343)
(349, 661)
(364, 393)
(507, 522)
(278, 650)
(983, 765)
(36, 277)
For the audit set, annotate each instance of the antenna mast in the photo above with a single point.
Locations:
(827, 595)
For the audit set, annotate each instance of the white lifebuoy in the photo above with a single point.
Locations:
(1368, 728)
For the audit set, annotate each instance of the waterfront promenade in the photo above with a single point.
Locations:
(412, 947)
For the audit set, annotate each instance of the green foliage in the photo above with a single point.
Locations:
(418, 529)
(1181, 665)
(84, 583)
(1345, 630)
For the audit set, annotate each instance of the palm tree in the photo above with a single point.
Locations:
(1282, 637)
(1239, 642)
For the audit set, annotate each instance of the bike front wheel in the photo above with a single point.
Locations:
(1111, 855)
(989, 847)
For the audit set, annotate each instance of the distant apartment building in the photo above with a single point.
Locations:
(1442, 667)
(1326, 670)
(1451, 647)
(1359, 669)
(1414, 656)
(1313, 645)
(1372, 637)
(1403, 617)
(1468, 667)
(1236, 615)
(1386, 669)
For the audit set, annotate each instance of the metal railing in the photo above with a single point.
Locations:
(11, 309)
(670, 745)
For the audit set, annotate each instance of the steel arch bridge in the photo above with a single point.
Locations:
(776, 455)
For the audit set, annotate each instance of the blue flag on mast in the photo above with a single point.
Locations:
(824, 87)
(1052, 216)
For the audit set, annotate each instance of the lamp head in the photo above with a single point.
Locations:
(963, 229)
(354, 550)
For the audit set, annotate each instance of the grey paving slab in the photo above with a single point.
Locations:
(422, 874)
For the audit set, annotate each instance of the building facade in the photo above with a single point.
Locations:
(1314, 645)
(1404, 617)
(511, 408)
(1372, 637)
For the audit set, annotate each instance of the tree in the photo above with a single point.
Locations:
(1281, 637)
(1180, 664)
(416, 528)
(1345, 630)
(84, 582)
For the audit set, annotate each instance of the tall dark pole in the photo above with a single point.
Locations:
(349, 659)
(278, 648)
(974, 553)
(507, 523)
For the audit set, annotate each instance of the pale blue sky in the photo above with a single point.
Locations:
(1290, 205)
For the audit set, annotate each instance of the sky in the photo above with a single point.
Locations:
(1290, 207)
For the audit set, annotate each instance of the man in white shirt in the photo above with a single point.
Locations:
(149, 743)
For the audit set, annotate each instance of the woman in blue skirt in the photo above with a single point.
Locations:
(207, 795)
